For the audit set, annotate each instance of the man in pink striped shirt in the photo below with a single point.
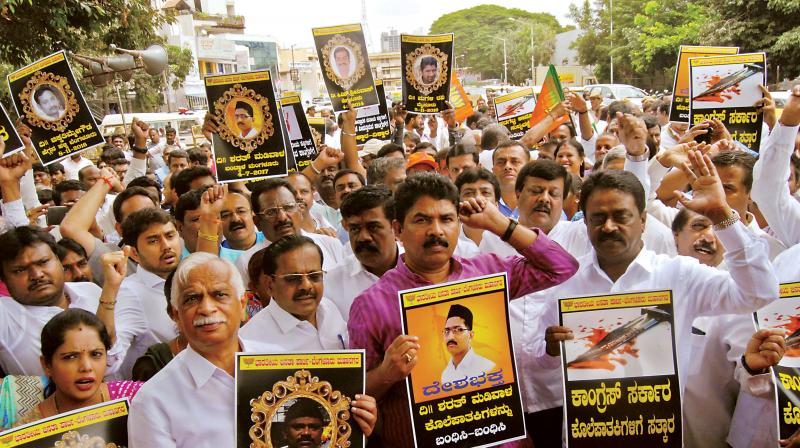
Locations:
(427, 223)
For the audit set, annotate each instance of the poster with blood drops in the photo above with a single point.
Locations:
(784, 314)
(726, 88)
(620, 371)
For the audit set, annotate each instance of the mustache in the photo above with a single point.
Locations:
(542, 208)
(200, 321)
(33, 284)
(705, 245)
(614, 236)
(367, 246)
(304, 294)
(433, 240)
(236, 225)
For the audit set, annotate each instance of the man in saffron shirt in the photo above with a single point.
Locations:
(427, 223)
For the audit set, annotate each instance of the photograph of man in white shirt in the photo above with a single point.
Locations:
(458, 336)
(244, 120)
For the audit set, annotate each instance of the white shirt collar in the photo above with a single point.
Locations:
(285, 320)
(200, 369)
(148, 278)
(644, 260)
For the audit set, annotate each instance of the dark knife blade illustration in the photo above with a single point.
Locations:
(650, 318)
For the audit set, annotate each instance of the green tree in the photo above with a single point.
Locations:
(761, 25)
(33, 29)
(475, 29)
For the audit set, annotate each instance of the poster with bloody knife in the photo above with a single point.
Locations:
(784, 314)
(620, 371)
(726, 88)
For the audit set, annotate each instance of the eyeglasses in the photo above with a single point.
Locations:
(272, 213)
(455, 331)
(297, 279)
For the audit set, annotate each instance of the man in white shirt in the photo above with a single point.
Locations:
(35, 280)
(507, 160)
(491, 136)
(614, 204)
(207, 298)
(367, 216)
(73, 164)
(458, 336)
(771, 172)
(141, 317)
(274, 203)
(298, 317)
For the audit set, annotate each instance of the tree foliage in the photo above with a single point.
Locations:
(648, 33)
(32, 29)
(475, 32)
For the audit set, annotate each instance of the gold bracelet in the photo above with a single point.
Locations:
(313, 168)
(208, 236)
(108, 304)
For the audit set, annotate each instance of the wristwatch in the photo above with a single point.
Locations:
(135, 148)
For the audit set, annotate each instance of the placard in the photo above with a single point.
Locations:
(427, 65)
(373, 121)
(344, 62)
(49, 101)
(463, 390)
(250, 142)
(273, 389)
(513, 110)
(304, 151)
(679, 108)
(784, 314)
(101, 425)
(549, 97)
(726, 88)
(460, 100)
(620, 372)
(9, 134)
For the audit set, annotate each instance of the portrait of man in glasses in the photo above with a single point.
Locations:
(458, 335)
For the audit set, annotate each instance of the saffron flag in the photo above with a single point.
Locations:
(549, 97)
(459, 100)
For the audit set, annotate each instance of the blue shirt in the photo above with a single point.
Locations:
(507, 211)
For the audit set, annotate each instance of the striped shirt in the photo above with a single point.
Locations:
(375, 314)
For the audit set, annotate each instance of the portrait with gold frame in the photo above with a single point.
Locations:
(414, 72)
(267, 408)
(274, 390)
(33, 97)
(333, 61)
(224, 111)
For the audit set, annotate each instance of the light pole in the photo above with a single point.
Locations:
(533, 54)
(611, 50)
(505, 60)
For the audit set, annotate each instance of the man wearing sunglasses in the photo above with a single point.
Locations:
(278, 214)
(298, 317)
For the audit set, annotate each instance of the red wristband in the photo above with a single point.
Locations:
(107, 180)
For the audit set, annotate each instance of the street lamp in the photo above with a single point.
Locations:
(505, 60)
(533, 54)
(611, 38)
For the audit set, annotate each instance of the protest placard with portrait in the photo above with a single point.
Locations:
(344, 61)
(427, 65)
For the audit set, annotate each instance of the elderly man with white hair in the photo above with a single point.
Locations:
(206, 294)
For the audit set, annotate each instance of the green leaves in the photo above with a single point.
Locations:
(475, 31)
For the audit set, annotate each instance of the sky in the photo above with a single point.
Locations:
(290, 22)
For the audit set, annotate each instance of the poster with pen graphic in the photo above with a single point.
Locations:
(726, 88)
(679, 108)
(784, 314)
(620, 371)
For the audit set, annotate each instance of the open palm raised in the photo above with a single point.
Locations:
(708, 196)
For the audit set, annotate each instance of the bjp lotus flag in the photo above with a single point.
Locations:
(459, 99)
(549, 97)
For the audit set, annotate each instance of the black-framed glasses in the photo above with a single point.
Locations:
(297, 279)
(455, 331)
(272, 212)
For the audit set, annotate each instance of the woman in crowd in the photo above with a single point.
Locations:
(74, 347)
(569, 154)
